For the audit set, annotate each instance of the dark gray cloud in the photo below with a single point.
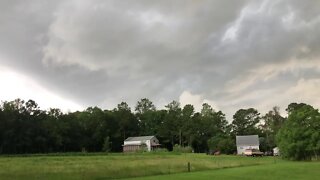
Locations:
(232, 54)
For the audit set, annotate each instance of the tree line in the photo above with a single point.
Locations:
(25, 128)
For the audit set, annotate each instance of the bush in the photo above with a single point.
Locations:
(106, 145)
(223, 144)
(83, 150)
(180, 149)
(160, 150)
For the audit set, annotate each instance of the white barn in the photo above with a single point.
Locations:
(132, 144)
(247, 142)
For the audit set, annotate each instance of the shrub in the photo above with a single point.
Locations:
(223, 144)
(180, 149)
(160, 150)
(106, 145)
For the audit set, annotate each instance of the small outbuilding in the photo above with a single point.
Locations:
(276, 151)
(247, 142)
(148, 143)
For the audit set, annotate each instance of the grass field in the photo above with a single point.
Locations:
(283, 171)
(112, 166)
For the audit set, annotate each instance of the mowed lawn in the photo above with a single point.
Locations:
(281, 171)
(120, 165)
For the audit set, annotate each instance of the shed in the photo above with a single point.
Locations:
(247, 142)
(132, 144)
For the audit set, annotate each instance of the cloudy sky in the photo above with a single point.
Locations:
(231, 54)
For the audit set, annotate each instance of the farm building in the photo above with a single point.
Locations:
(135, 143)
(276, 151)
(247, 142)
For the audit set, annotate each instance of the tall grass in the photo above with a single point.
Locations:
(110, 166)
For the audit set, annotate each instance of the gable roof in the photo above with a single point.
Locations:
(251, 140)
(139, 138)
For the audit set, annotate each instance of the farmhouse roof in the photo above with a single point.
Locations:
(139, 138)
(251, 140)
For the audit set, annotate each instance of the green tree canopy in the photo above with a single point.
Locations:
(299, 138)
(273, 121)
(144, 105)
(146, 115)
(245, 122)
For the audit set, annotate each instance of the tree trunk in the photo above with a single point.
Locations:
(180, 137)
(172, 141)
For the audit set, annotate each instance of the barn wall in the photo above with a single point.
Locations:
(131, 148)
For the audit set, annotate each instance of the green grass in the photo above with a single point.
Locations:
(116, 165)
(283, 171)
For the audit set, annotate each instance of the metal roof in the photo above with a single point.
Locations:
(139, 138)
(251, 140)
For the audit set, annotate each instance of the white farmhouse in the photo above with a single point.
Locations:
(132, 144)
(247, 142)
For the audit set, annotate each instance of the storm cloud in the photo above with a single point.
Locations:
(230, 54)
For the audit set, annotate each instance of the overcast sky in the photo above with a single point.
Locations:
(231, 54)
